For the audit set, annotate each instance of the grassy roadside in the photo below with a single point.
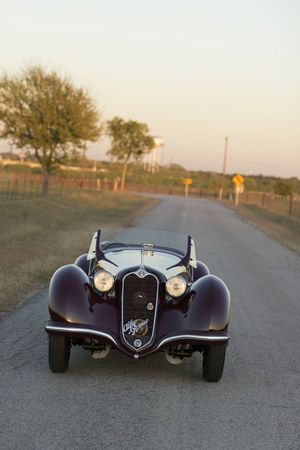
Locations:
(284, 230)
(39, 235)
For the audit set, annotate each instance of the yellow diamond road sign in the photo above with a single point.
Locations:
(238, 179)
(187, 181)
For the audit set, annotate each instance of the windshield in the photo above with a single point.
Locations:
(143, 237)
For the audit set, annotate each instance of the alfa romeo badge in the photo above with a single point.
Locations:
(137, 342)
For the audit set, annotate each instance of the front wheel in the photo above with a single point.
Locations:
(213, 362)
(59, 353)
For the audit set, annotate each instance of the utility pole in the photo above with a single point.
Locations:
(224, 167)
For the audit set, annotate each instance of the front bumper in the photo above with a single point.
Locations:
(200, 338)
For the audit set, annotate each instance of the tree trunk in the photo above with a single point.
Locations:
(46, 183)
(124, 175)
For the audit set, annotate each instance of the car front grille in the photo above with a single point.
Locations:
(139, 305)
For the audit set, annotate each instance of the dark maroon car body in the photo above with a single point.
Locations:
(137, 315)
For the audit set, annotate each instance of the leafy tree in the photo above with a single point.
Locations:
(45, 113)
(128, 140)
(281, 187)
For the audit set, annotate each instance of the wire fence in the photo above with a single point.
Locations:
(172, 190)
(275, 203)
(19, 187)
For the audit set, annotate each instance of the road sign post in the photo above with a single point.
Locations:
(187, 181)
(238, 181)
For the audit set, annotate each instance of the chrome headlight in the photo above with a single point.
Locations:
(176, 286)
(103, 281)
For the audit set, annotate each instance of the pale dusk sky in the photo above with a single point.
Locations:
(195, 71)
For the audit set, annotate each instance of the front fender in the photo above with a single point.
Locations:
(206, 308)
(200, 270)
(68, 294)
(210, 301)
(72, 299)
(83, 263)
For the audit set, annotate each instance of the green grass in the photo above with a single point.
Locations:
(39, 235)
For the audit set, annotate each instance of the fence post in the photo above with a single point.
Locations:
(15, 188)
(8, 186)
(291, 205)
(24, 187)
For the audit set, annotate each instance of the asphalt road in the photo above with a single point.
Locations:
(119, 403)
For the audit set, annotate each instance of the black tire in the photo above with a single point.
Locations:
(213, 362)
(59, 353)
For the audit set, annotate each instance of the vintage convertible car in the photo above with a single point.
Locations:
(141, 292)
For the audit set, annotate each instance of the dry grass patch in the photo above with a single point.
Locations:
(283, 229)
(39, 235)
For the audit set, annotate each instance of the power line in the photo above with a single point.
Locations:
(264, 164)
(238, 160)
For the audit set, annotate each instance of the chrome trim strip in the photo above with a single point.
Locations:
(81, 330)
(194, 337)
